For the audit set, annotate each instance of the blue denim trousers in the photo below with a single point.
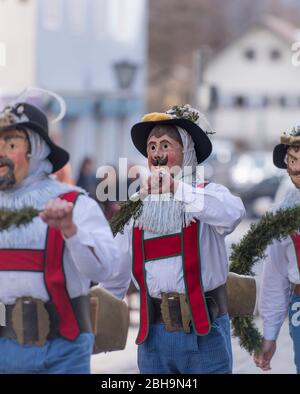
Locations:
(179, 352)
(58, 356)
(294, 326)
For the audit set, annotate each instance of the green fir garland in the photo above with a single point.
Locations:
(248, 252)
(129, 209)
(16, 218)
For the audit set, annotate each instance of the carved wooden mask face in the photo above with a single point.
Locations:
(14, 162)
(164, 147)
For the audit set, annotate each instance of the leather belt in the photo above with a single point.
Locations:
(31, 321)
(216, 301)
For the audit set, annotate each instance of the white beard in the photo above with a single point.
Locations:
(162, 214)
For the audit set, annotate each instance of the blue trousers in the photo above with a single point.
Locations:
(294, 326)
(58, 356)
(180, 352)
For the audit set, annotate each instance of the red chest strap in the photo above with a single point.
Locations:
(55, 279)
(162, 247)
(296, 241)
(185, 244)
(49, 261)
(21, 260)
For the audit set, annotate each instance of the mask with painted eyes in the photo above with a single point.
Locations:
(14, 160)
(164, 147)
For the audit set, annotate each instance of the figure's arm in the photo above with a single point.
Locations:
(88, 238)
(273, 302)
(274, 293)
(214, 205)
(119, 281)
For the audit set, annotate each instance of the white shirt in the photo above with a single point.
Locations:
(219, 216)
(81, 265)
(280, 269)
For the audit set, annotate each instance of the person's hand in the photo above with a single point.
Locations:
(159, 182)
(58, 213)
(263, 360)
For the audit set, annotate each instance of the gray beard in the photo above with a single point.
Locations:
(9, 180)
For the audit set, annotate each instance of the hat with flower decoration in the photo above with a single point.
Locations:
(190, 119)
(23, 115)
(280, 150)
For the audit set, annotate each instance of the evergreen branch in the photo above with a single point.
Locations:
(248, 252)
(271, 226)
(249, 337)
(129, 209)
(16, 218)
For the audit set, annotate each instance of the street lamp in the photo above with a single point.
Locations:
(125, 73)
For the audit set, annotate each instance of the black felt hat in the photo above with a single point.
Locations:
(24, 115)
(280, 150)
(140, 131)
(279, 154)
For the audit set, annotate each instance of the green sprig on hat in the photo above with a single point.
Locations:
(185, 112)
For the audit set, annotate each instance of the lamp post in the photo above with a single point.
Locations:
(125, 74)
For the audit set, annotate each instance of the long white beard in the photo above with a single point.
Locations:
(162, 214)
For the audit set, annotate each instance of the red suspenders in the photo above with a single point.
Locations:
(186, 245)
(50, 262)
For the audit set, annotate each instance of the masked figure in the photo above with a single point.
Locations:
(177, 249)
(46, 267)
(280, 288)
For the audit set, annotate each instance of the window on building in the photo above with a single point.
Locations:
(240, 101)
(257, 101)
(124, 17)
(118, 18)
(291, 101)
(77, 15)
(101, 17)
(2, 54)
(265, 101)
(52, 14)
(282, 101)
(249, 54)
(275, 54)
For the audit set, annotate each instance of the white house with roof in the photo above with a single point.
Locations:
(251, 88)
(93, 53)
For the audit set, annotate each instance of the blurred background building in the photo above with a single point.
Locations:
(93, 53)
(251, 88)
(114, 60)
